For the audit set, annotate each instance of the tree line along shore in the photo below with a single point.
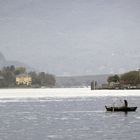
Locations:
(128, 80)
(15, 77)
(11, 76)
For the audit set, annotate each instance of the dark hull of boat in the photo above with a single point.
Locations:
(124, 109)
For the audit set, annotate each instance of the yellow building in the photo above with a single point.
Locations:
(23, 79)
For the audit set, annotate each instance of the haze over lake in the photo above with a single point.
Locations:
(72, 37)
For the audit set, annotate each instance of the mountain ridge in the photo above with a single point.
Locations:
(80, 81)
(4, 62)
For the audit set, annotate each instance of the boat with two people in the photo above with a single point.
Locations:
(124, 108)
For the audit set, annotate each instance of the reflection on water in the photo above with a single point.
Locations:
(67, 119)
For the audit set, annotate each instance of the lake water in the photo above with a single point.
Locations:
(77, 118)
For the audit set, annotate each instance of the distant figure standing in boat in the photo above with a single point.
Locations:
(125, 103)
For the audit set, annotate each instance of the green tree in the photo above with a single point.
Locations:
(42, 79)
(131, 78)
(34, 77)
(50, 80)
(9, 76)
(12, 68)
(115, 78)
(20, 70)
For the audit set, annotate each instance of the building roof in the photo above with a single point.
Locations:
(22, 75)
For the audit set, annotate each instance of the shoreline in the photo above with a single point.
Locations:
(63, 93)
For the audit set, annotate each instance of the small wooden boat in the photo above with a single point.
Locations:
(123, 108)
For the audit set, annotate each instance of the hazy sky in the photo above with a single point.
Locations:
(72, 37)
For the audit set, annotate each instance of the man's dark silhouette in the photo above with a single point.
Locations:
(125, 103)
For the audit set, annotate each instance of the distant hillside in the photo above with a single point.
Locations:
(4, 62)
(80, 81)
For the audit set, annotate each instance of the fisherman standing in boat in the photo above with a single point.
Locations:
(124, 107)
(125, 103)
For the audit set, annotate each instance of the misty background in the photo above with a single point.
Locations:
(72, 37)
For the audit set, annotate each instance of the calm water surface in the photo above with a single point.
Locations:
(67, 119)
